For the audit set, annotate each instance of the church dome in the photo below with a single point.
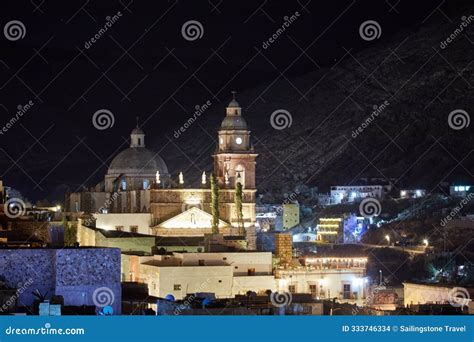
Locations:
(137, 160)
(234, 119)
(234, 122)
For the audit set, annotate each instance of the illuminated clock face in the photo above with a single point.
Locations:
(238, 140)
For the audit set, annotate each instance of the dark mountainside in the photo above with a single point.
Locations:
(409, 142)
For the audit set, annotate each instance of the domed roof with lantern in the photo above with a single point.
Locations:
(234, 119)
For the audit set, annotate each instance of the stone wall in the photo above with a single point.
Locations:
(74, 273)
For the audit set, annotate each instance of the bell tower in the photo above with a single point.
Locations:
(234, 159)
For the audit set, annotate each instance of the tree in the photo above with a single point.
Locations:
(238, 208)
(214, 205)
(70, 233)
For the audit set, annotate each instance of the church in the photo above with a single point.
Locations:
(140, 195)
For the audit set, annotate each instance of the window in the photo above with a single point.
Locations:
(134, 229)
(124, 185)
(139, 142)
(346, 291)
(201, 262)
(177, 287)
(313, 290)
(119, 228)
(292, 288)
(145, 184)
(251, 271)
(238, 140)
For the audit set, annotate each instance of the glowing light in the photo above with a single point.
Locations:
(425, 242)
(387, 237)
(403, 193)
(238, 140)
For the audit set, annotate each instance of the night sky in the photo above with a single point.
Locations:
(143, 66)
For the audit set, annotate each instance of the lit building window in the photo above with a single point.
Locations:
(145, 184)
(124, 185)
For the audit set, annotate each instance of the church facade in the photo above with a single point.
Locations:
(138, 181)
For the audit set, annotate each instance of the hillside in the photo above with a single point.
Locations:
(409, 142)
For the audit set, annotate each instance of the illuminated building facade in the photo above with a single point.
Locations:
(329, 229)
(353, 193)
(327, 277)
(138, 181)
(412, 193)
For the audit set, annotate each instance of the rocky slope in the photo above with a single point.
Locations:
(410, 141)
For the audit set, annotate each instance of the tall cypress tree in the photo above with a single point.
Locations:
(238, 208)
(214, 205)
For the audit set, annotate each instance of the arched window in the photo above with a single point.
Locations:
(240, 175)
(124, 185)
(145, 184)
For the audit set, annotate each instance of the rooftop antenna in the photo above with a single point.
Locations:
(137, 121)
(233, 94)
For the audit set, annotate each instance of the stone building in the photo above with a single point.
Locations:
(138, 181)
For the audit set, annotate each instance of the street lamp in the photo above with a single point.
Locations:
(425, 242)
(387, 237)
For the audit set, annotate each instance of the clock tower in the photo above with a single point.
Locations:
(234, 160)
